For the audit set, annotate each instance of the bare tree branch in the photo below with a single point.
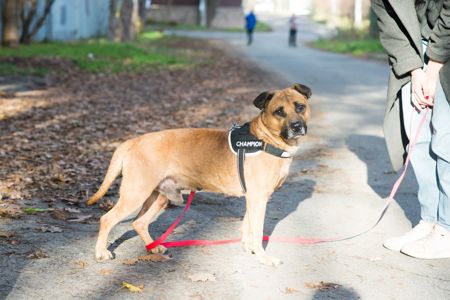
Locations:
(28, 35)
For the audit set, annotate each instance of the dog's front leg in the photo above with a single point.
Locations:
(256, 210)
(247, 238)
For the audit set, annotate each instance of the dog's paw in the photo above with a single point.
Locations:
(269, 260)
(159, 250)
(247, 246)
(103, 255)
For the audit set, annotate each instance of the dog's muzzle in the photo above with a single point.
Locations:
(295, 129)
(299, 128)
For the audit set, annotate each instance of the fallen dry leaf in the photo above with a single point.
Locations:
(133, 288)
(130, 261)
(6, 234)
(38, 254)
(60, 214)
(81, 264)
(10, 210)
(72, 210)
(202, 277)
(322, 286)
(290, 290)
(153, 257)
(52, 229)
(106, 272)
(81, 218)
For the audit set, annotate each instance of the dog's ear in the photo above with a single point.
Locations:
(262, 100)
(303, 89)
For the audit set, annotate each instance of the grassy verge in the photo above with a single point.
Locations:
(260, 27)
(10, 69)
(353, 43)
(150, 49)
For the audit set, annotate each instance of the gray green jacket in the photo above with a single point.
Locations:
(400, 35)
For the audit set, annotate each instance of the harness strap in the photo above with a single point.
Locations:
(271, 149)
(241, 161)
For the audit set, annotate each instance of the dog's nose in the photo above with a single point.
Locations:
(299, 127)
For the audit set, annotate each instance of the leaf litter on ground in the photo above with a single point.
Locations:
(151, 257)
(322, 286)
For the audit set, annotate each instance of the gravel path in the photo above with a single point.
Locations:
(336, 188)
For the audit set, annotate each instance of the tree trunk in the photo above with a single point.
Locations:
(10, 21)
(142, 12)
(27, 18)
(211, 8)
(112, 21)
(358, 14)
(27, 31)
(128, 16)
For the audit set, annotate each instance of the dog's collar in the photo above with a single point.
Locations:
(239, 137)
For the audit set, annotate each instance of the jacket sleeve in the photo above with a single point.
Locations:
(403, 57)
(439, 43)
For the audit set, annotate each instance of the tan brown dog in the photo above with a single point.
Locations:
(156, 166)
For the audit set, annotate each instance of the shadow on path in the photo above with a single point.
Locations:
(281, 205)
(372, 151)
(339, 292)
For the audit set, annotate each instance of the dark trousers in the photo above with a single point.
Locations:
(293, 38)
(249, 36)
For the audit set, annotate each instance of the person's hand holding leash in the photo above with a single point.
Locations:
(420, 89)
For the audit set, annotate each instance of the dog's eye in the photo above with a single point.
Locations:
(280, 112)
(299, 108)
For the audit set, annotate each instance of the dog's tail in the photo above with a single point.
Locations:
(114, 169)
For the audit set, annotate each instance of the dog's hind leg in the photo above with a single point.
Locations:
(147, 204)
(141, 223)
(133, 192)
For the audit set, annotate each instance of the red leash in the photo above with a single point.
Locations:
(291, 240)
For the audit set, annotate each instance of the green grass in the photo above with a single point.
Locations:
(104, 56)
(351, 42)
(260, 27)
(354, 47)
(10, 69)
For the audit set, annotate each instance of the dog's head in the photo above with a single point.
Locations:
(286, 112)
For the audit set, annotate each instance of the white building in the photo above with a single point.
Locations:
(73, 19)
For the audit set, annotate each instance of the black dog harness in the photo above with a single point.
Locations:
(243, 143)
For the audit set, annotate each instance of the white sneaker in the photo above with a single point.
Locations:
(435, 245)
(419, 231)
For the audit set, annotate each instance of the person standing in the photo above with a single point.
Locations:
(250, 23)
(416, 37)
(293, 31)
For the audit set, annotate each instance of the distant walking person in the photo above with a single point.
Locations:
(293, 31)
(250, 23)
